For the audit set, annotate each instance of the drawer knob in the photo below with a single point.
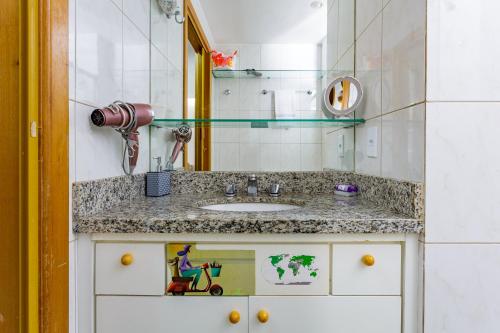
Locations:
(127, 259)
(368, 260)
(234, 317)
(263, 316)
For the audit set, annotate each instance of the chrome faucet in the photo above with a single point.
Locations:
(252, 188)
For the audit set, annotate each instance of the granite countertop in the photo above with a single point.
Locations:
(180, 213)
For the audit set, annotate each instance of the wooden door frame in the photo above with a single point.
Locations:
(194, 34)
(53, 166)
(34, 199)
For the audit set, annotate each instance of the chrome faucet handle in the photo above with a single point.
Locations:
(252, 186)
(275, 190)
(230, 190)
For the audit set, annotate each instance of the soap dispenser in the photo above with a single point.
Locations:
(157, 182)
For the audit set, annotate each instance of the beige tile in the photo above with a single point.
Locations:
(461, 293)
(403, 140)
(463, 50)
(403, 54)
(462, 173)
(362, 162)
(366, 11)
(369, 69)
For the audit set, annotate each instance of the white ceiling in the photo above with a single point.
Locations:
(265, 21)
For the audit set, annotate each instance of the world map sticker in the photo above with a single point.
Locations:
(288, 269)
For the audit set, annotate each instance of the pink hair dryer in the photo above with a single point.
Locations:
(125, 118)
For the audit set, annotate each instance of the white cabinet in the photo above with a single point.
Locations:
(150, 314)
(330, 314)
(130, 269)
(130, 314)
(352, 276)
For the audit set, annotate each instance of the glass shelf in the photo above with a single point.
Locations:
(258, 123)
(268, 74)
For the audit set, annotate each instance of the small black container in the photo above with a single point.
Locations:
(157, 183)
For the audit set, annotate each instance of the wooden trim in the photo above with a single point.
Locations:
(194, 34)
(54, 166)
(12, 68)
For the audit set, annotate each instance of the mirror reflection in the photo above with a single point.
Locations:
(254, 76)
(342, 96)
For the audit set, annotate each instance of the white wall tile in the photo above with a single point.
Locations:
(271, 57)
(332, 35)
(310, 157)
(403, 140)
(332, 159)
(249, 94)
(138, 11)
(369, 69)
(231, 101)
(290, 157)
(366, 11)
(98, 149)
(403, 54)
(249, 56)
(174, 92)
(249, 157)
(290, 135)
(270, 157)
(345, 65)
(346, 25)
(98, 52)
(72, 302)
(461, 288)
(229, 157)
(462, 172)
(71, 48)
(363, 163)
(175, 42)
(159, 83)
(136, 66)
(159, 28)
(248, 134)
(463, 51)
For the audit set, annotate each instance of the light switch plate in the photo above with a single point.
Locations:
(371, 142)
(340, 145)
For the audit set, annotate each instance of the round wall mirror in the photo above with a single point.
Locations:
(342, 96)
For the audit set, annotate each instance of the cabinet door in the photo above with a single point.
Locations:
(329, 314)
(144, 274)
(137, 314)
(350, 276)
(131, 314)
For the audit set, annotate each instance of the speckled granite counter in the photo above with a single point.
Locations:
(319, 213)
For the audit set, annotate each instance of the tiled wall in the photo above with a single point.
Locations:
(118, 50)
(386, 53)
(269, 149)
(462, 211)
(338, 59)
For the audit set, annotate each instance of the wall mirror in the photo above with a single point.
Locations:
(253, 80)
(342, 96)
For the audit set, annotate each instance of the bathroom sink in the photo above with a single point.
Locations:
(250, 207)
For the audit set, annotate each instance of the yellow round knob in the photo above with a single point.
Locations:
(127, 259)
(234, 317)
(368, 260)
(263, 316)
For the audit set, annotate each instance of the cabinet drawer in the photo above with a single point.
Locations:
(326, 314)
(298, 269)
(352, 275)
(141, 272)
(153, 314)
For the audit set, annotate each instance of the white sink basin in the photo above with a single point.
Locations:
(250, 207)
